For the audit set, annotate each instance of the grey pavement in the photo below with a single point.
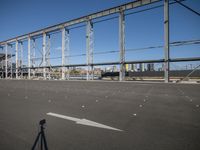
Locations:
(151, 116)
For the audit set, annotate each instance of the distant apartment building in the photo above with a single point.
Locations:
(150, 67)
(141, 67)
(131, 67)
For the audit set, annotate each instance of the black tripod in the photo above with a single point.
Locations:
(41, 136)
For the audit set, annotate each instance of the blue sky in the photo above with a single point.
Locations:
(142, 29)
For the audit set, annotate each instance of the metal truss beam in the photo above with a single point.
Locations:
(126, 62)
(185, 59)
(114, 10)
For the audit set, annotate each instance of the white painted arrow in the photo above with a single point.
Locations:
(83, 121)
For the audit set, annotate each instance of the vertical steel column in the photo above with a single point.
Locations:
(44, 53)
(33, 55)
(122, 45)
(2, 65)
(29, 57)
(166, 38)
(89, 47)
(63, 52)
(21, 58)
(67, 53)
(6, 61)
(92, 50)
(16, 59)
(10, 61)
(48, 54)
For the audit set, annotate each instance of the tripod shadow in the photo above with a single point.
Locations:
(40, 139)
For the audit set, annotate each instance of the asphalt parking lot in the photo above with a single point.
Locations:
(84, 115)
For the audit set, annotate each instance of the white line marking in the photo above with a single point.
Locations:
(83, 121)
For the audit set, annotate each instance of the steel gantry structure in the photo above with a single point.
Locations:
(64, 28)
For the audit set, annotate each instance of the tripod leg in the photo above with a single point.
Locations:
(45, 142)
(36, 140)
(41, 141)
